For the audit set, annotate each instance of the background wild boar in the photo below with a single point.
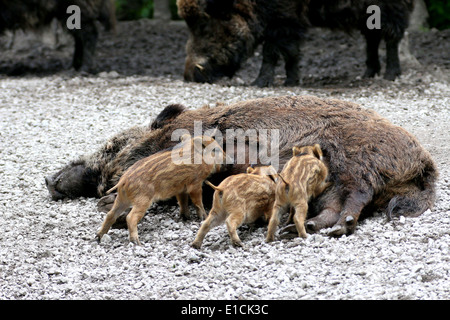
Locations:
(224, 33)
(33, 14)
(352, 14)
(372, 163)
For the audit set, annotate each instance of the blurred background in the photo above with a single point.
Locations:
(438, 11)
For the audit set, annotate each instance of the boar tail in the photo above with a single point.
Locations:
(112, 189)
(419, 196)
(213, 186)
(283, 179)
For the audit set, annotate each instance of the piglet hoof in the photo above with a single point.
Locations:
(289, 232)
(98, 238)
(105, 203)
(196, 245)
(237, 244)
(135, 242)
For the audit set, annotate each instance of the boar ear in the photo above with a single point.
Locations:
(317, 151)
(295, 151)
(167, 115)
(191, 10)
(220, 9)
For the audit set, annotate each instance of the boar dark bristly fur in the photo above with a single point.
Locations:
(224, 33)
(34, 14)
(352, 14)
(372, 163)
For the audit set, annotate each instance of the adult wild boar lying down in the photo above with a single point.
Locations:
(224, 33)
(34, 14)
(372, 163)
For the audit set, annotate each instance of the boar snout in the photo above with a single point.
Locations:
(50, 184)
(197, 72)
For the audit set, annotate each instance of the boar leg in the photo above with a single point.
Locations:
(133, 218)
(213, 220)
(353, 206)
(234, 220)
(111, 217)
(392, 59)
(329, 214)
(85, 41)
(291, 55)
(267, 71)
(301, 209)
(373, 67)
(197, 201)
(274, 221)
(183, 203)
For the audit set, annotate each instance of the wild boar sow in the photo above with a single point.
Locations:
(34, 14)
(224, 33)
(372, 163)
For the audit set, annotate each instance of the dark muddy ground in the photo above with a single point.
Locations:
(154, 49)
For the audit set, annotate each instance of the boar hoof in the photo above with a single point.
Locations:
(391, 75)
(237, 244)
(289, 232)
(291, 82)
(371, 72)
(347, 228)
(105, 203)
(336, 231)
(262, 82)
(196, 245)
(311, 227)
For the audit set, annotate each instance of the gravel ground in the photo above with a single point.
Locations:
(47, 249)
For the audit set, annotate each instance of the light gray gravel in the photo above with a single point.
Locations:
(47, 249)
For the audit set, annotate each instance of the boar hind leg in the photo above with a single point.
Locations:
(328, 215)
(197, 201)
(234, 220)
(291, 55)
(274, 221)
(213, 220)
(267, 71)
(183, 200)
(373, 38)
(85, 42)
(392, 60)
(301, 209)
(111, 217)
(353, 206)
(133, 218)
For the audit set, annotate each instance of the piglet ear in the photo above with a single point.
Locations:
(318, 151)
(295, 151)
(220, 9)
(250, 169)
